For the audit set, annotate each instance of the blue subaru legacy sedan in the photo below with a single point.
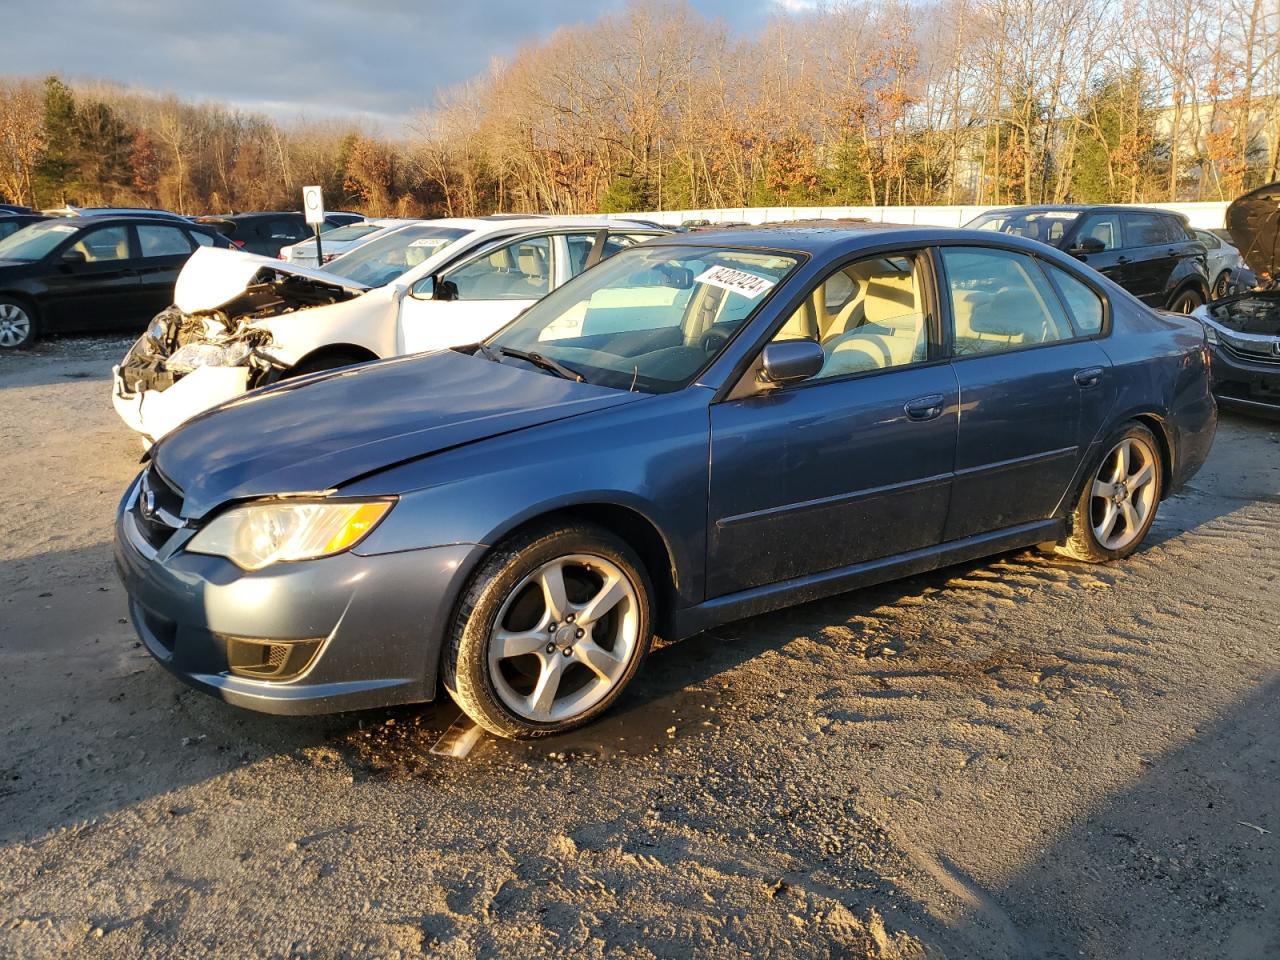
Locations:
(702, 428)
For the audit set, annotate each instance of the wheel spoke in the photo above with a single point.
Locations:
(610, 594)
(507, 644)
(1103, 489)
(551, 580)
(1142, 477)
(1122, 465)
(544, 693)
(1108, 524)
(1131, 519)
(601, 661)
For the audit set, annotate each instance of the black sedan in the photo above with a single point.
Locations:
(89, 274)
(701, 428)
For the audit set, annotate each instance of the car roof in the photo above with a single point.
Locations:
(1080, 208)
(109, 219)
(821, 237)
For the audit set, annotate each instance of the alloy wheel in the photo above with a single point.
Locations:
(564, 638)
(15, 325)
(1124, 493)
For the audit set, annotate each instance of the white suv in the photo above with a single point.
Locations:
(241, 321)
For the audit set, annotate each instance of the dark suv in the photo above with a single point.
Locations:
(266, 233)
(1154, 254)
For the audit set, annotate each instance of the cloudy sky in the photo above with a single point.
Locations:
(378, 59)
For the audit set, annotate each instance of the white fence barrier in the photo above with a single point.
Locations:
(1204, 215)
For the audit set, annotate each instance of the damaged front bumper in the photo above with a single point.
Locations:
(153, 413)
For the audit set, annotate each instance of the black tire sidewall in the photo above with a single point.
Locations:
(465, 659)
(34, 334)
(1082, 521)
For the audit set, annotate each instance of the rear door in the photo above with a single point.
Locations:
(162, 251)
(1033, 391)
(1151, 257)
(479, 296)
(92, 284)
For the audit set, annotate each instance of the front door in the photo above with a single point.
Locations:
(852, 465)
(478, 297)
(1104, 228)
(93, 284)
(1032, 389)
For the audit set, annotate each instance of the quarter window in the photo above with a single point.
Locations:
(867, 316)
(162, 241)
(1083, 304)
(516, 271)
(202, 239)
(1000, 301)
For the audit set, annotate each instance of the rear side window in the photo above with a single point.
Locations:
(1000, 301)
(1103, 227)
(1083, 304)
(1175, 231)
(202, 239)
(162, 241)
(1144, 230)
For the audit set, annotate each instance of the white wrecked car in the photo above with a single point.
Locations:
(241, 321)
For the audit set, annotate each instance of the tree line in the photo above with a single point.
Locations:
(657, 107)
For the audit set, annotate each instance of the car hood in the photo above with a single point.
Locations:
(213, 277)
(316, 433)
(1253, 220)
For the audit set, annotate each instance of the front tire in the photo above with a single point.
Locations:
(18, 327)
(1119, 500)
(550, 631)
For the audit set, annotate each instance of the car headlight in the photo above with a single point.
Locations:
(258, 535)
(194, 355)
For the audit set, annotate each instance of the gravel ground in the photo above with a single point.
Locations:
(1018, 758)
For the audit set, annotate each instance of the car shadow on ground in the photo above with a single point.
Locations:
(1198, 833)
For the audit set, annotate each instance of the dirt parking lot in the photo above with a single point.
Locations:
(1018, 758)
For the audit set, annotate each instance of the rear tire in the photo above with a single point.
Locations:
(1221, 286)
(550, 630)
(1186, 301)
(19, 329)
(1119, 499)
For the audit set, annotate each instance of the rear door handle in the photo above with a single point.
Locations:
(925, 408)
(1124, 260)
(1088, 377)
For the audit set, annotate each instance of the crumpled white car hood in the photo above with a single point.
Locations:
(213, 277)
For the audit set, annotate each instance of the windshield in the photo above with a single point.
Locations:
(1047, 226)
(381, 260)
(648, 318)
(341, 234)
(35, 242)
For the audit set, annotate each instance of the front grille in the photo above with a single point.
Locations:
(158, 508)
(1262, 353)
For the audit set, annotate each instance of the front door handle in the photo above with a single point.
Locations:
(925, 408)
(1088, 377)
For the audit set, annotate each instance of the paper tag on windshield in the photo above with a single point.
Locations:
(736, 281)
(429, 242)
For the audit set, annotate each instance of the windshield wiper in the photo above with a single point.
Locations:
(488, 352)
(546, 363)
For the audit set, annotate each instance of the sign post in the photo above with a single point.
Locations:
(313, 208)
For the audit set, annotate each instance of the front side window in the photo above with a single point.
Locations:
(104, 245)
(869, 315)
(1000, 301)
(515, 271)
(1083, 304)
(162, 241)
(1103, 227)
(649, 318)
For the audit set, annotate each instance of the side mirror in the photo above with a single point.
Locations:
(791, 361)
(424, 289)
(1087, 245)
(74, 257)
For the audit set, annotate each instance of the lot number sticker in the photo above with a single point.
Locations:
(736, 281)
